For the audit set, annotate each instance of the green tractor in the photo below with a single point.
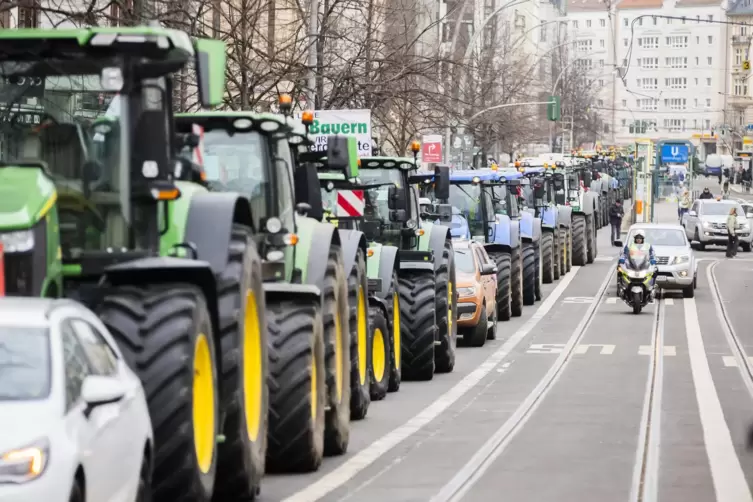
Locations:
(425, 261)
(304, 263)
(345, 201)
(94, 212)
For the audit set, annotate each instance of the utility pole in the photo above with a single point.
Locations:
(314, 39)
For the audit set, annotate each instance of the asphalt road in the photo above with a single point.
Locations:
(578, 400)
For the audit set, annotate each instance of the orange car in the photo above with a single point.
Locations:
(476, 277)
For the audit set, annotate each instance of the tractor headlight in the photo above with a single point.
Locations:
(19, 241)
(466, 291)
(24, 464)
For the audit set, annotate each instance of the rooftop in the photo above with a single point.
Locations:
(639, 4)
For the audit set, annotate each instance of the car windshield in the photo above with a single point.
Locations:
(237, 163)
(720, 209)
(662, 236)
(464, 260)
(25, 367)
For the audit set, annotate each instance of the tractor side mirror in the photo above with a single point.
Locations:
(398, 216)
(539, 188)
(558, 182)
(396, 199)
(342, 155)
(445, 212)
(442, 182)
(587, 179)
(307, 189)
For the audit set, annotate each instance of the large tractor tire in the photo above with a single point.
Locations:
(380, 350)
(243, 348)
(360, 349)
(336, 317)
(580, 240)
(393, 318)
(418, 316)
(447, 308)
(529, 273)
(537, 259)
(547, 258)
(165, 335)
(569, 248)
(297, 387)
(504, 269)
(591, 250)
(516, 283)
(564, 252)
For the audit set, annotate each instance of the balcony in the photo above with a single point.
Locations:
(742, 39)
(739, 101)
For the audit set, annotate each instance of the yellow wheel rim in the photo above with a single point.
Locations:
(252, 367)
(449, 309)
(314, 388)
(338, 353)
(203, 404)
(377, 357)
(362, 336)
(396, 329)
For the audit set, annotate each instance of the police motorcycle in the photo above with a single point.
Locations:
(635, 280)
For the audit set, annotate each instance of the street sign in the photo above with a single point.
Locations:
(431, 149)
(674, 153)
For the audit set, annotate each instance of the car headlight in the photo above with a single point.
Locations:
(19, 241)
(706, 224)
(681, 259)
(24, 464)
(467, 291)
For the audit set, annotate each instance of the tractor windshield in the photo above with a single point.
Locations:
(466, 198)
(237, 163)
(50, 113)
(376, 201)
(499, 196)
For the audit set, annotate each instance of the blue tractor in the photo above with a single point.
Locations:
(484, 210)
(555, 220)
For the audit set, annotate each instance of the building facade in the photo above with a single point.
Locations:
(739, 101)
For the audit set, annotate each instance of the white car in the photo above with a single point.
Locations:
(706, 223)
(74, 423)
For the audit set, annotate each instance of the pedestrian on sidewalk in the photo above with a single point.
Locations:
(616, 212)
(684, 202)
(732, 233)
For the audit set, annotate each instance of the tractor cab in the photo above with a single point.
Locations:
(472, 203)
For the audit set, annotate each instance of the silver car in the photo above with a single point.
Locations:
(677, 267)
(706, 223)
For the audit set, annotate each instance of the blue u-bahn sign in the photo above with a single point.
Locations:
(674, 153)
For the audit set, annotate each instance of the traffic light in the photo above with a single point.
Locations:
(553, 108)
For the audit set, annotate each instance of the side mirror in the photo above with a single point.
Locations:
(539, 188)
(442, 182)
(398, 216)
(101, 390)
(342, 155)
(307, 189)
(692, 213)
(445, 212)
(587, 179)
(396, 198)
(488, 269)
(210, 75)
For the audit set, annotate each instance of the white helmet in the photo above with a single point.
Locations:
(639, 233)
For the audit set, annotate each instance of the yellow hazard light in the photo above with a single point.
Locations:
(522, 169)
(307, 117)
(369, 252)
(359, 162)
(290, 239)
(415, 146)
(517, 163)
(171, 194)
(285, 100)
(420, 232)
(494, 167)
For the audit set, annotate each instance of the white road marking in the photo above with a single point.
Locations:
(578, 299)
(727, 474)
(647, 350)
(669, 301)
(364, 458)
(545, 348)
(731, 361)
(606, 350)
(612, 299)
(605, 258)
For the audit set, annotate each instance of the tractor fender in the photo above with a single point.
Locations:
(515, 234)
(502, 231)
(564, 216)
(389, 258)
(497, 248)
(311, 258)
(548, 217)
(351, 241)
(379, 303)
(166, 270)
(530, 227)
(278, 291)
(209, 225)
(438, 235)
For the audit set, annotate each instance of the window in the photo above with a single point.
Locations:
(648, 42)
(624, 103)
(648, 63)
(601, 63)
(707, 124)
(696, 81)
(695, 103)
(543, 31)
(697, 61)
(625, 22)
(738, 57)
(743, 30)
(601, 82)
(575, 24)
(601, 43)
(103, 360)
(695, 124)
(711, 39)
(624, 122)
(677, 41)
(602, 22)
(675, 103)
(640, 21)
(709, 61)
(697, 40)
(656, 21)
(740, 87)
(588, 23)
(625, 42)
(708, 82)
(676, 62)
(28, 14)
(711, 17)
(708, 102)
(676, 83)
(601, 102)
(77, 366)
(585, 45)
(674, 125)
(648, 83)
(669, 21)
(647, 104)
(286, 200)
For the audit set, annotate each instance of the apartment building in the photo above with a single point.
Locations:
(674, 77)
(739, 103)
(591, 43)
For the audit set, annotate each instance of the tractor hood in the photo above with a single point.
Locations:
(26, 194)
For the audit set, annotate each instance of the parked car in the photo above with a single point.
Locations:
(706, 223)
(676, 263)
(477, 293)
(74, 423)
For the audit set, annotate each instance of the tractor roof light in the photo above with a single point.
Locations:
(286, 103)
(307, 117)
(415, 146)
(517, 163)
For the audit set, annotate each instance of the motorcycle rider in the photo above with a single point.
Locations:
(706, 194)
(639, 245)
